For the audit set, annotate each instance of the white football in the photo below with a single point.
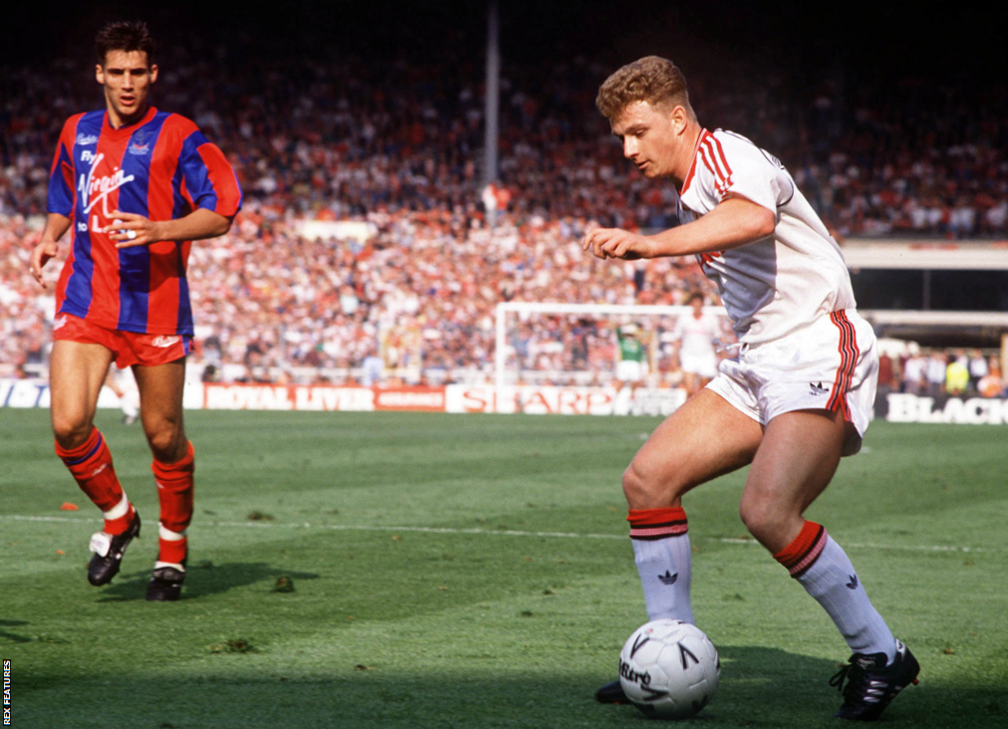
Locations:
(669, 669)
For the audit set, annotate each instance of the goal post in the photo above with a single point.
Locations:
(636, 312)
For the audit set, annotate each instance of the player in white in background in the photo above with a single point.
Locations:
(124, 388)
(696, 333)
(799, 395)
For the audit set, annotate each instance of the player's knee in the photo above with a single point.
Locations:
(761, 516)
(70, 432)
(632, 486)
(644, 491)
(167, 442)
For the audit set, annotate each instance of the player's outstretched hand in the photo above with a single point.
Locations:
(616, 243)
(131, 229)
(41, 254)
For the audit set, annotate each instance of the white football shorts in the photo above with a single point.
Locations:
(629, 370)
(830, 365)
(703, 364)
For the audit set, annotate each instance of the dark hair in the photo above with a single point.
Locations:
(125, 36)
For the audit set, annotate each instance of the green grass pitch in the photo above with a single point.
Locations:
(434, 579)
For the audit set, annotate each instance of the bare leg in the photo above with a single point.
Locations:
(798, 457)
(794, 464)
(76, 374)
(161, 389)
(705, 438)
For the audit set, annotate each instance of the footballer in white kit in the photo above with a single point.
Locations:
(788, 295)
(696, 334)
(796, 398)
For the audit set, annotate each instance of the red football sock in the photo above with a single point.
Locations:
(91, 466)
(173, 551)
(120, 523)
(175, 492)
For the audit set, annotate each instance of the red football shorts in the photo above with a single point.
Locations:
(128, 348)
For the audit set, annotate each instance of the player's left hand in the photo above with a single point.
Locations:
(617, 243)
(132, 229)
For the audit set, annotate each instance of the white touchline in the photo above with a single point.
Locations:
(490, 532)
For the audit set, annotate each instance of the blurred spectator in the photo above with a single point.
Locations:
(957, 374)
(977, 369)
(937, 364)
(887, 381)
(914, 374)
(991, 384)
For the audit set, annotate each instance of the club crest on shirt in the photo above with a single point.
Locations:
(139, 149)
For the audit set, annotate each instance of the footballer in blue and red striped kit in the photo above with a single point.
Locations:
(136, 186)
(162, 168)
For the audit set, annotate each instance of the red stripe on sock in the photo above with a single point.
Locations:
(657, 523)
(804, 549)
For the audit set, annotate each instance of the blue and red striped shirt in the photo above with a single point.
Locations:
(163, 168)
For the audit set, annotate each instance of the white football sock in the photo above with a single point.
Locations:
(664, 566)
(832, 581)
(119, 510)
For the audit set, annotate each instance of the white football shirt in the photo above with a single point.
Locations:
(778, 284)
(697, 335)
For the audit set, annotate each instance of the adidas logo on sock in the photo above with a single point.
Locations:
(853, 582)
(668, 578)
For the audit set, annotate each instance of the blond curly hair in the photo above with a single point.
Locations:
(653, 79)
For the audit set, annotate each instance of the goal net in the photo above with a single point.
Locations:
(635, 352)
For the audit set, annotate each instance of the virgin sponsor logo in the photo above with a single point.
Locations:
(87, 139)
(93, 189)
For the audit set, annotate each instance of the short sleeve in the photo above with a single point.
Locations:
(61, 195)
(742, 168)
(210, 181)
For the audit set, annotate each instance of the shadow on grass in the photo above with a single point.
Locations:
(761, 687)
(11, 636)
(202, 579)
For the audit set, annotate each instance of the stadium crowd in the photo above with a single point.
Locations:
(397, 145)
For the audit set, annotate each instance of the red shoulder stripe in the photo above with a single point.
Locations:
(716, 144)
(692, 169)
